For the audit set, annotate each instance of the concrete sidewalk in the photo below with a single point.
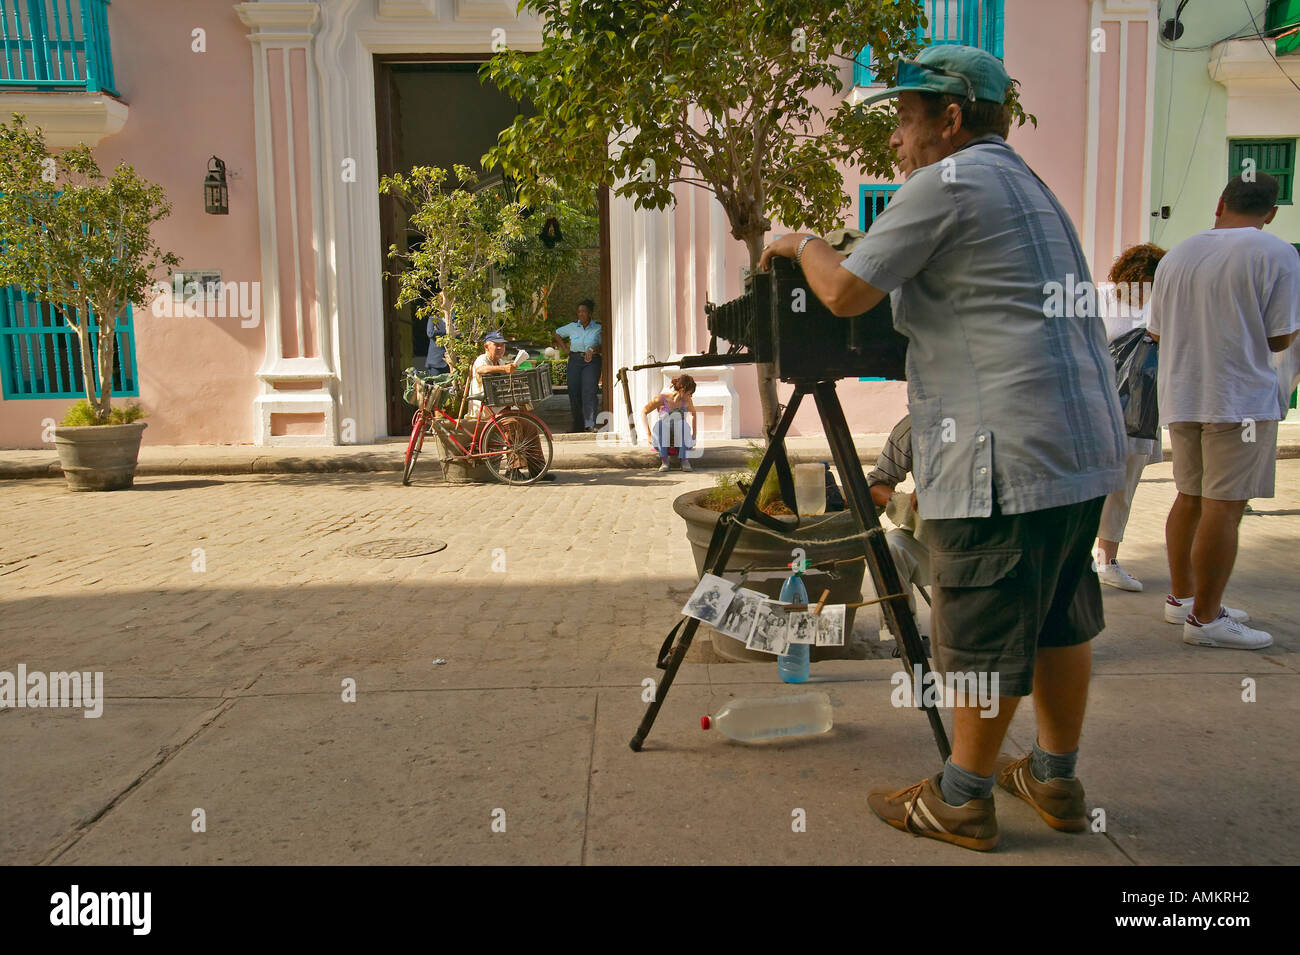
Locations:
(572, 452)
(500, 679)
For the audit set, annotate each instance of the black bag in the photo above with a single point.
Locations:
(834, 499)
(1136, 366)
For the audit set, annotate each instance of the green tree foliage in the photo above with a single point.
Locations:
(723, 94)
(465, 234)
(536, 265)
(80, 241)
(743, 98)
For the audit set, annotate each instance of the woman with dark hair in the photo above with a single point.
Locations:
(583, 348)
(672, 431)
(1131, 276)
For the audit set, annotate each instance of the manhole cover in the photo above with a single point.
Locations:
(397, 547)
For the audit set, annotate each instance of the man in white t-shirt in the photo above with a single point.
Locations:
(491, 361)
(1223, 302)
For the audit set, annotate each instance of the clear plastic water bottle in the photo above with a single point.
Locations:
(781, 717)
(792, 666)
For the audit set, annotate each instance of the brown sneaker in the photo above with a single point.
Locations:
(1058, 801)
(920, 810)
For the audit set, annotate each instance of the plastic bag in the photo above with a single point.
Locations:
(1136, 367)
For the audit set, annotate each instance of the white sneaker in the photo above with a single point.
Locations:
(1176, 610)
(664, 466)
(686, 465)
(1224, 632)
(1113, 575)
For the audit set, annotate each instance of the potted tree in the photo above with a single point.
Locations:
(742, 98)
(83, 244)
(465, 233)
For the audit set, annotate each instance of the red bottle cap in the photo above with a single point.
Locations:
(704, 723)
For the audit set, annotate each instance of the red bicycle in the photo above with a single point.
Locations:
(514, 445)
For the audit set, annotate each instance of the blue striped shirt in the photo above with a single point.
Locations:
(1003, 399)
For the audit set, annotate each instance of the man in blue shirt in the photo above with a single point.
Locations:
(1016, 428)
(583, 349)
(436, 362)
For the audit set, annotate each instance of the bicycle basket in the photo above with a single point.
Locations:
(533, 384)
(431, 392)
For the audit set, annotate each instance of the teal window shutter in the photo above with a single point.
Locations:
(1273, 156)
(977, 23)
(40, 356)
(863, 74)
(871, 202)
(991, 38)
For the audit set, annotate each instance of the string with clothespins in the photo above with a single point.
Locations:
(828, 565)
(821, 603)
(817, 608)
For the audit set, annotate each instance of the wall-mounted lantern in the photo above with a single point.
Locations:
(216, 197)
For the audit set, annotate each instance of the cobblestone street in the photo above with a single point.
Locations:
(226, 615)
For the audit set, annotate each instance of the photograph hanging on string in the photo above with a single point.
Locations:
(770, 632)
(830, 626)
(712, 597)
(738, 621)
(802, 626)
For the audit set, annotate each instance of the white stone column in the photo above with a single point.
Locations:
(640, 290)
(297, 378)
(1128, 28)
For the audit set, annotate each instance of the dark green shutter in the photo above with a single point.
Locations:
(1273, 156)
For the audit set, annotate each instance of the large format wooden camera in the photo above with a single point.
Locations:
(780, 320)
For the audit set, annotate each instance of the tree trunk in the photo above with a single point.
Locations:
(107, 343)
(88, 362)
(767, 396)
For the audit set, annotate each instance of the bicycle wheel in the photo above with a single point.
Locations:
(516, 448)
(413, 446)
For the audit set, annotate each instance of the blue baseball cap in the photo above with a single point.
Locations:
(494, 336)
(950, 68)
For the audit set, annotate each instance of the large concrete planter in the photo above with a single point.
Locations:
(764, 551)
(460, 471)
(99, 457)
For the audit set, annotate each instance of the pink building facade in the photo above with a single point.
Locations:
(285, 94)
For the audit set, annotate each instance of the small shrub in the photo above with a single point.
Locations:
(727, 490)
(82, 415)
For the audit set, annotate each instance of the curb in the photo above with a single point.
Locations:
(628, 459)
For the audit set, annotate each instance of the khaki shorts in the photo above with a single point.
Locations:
(1221, 462)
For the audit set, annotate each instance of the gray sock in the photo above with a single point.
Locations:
(1045, 765)
(961, 785)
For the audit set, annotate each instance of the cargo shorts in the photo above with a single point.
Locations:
(1007, 584)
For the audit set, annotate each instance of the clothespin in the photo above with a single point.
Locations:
(744, 574)
(822, 602)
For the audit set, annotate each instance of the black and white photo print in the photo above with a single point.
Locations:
(711, 599)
